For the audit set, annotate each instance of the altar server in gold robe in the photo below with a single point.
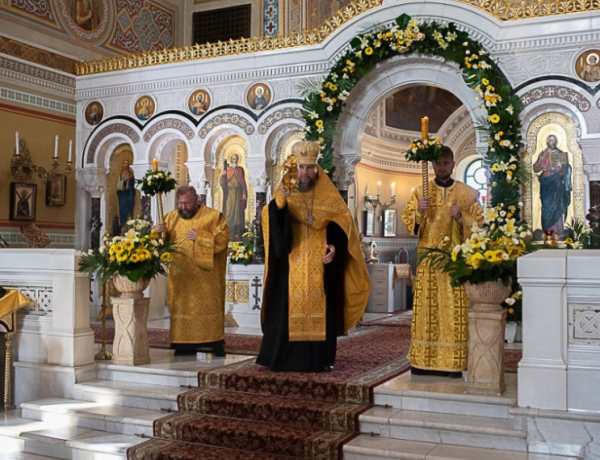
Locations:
(196, 282)
(316, 280)
(439, 329)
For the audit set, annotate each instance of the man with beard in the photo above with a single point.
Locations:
(196, 283)
(316, 280)
(439, 327)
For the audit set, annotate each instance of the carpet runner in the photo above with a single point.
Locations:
(245, 411)
(248, 411)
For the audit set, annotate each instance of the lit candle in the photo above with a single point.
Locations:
(393, 188)
(155, 164)
(378, 188)
(424, 127)
(70, 151)
(17, 141)
(56, 146)
(367, 189)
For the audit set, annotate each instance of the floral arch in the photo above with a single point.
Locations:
(502, 127)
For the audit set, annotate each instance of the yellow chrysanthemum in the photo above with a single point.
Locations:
(165, 257)
(134, 258)
(121, 257)
(569, 240)
(495, 118)
(319, 123)
(369, 51)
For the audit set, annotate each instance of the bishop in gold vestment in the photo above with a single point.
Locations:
(316, 280)
(196, 281)
(439, 328)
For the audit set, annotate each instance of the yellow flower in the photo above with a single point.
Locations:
(569, 240)
(165, 257)
(495, 118)
(128, 245)
(485, 81)
(121, 257)
(319, 123)
(475, 260)
(134, 258)
(511, 310)
(369, 51)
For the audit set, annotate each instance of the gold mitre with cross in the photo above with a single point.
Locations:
(306, 152)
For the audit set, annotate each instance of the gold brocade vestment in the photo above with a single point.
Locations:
(307, 302)
(439, 329)
(196, 282)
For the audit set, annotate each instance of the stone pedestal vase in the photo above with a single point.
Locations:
(487, 319)
(130, 311)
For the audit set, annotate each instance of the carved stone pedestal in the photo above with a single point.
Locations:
(130, 346)
(487, 320)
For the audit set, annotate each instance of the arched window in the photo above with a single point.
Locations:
(476, 177)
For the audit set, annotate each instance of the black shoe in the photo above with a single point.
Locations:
(417, 371)
(455, 375)
(219, 351)
(184, 351)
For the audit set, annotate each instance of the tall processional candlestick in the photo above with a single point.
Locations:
(424, 163)
(161, 215)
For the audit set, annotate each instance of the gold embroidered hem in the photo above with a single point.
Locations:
(439, 328)
(196, 281)
(307, 303)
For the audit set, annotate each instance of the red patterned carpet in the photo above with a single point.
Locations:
(245, 411)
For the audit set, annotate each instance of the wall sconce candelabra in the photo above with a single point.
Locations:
(21, 166)
(376, 202)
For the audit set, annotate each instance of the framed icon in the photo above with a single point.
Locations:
(56, 191)
(94, 113)
(259, 96)
(23, 201)
(369, 223)
(587, 66)
(199, 102)
(145, 108)
(389, 222)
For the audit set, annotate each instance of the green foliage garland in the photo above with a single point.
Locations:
(322, 108)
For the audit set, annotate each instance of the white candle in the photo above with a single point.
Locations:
(56, 146)
(393, 188)
(378, 188)
(70, 151)
(17, 141)
(367, 189)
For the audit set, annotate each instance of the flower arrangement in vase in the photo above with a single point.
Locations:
(241, 252)
(140, 253)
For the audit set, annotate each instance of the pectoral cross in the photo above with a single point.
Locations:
(310, 218)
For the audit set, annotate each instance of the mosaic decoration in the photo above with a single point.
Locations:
(227, 118)
(279, 115)
(37, 101)
(271, 14)
(42, 12)
(559, 92)
(38, 56)
(141, 26)
(111, 129)
(169, 123)
(86, 19)
(504, 10)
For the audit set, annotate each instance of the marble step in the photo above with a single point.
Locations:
(28, 439)
(460, 430)
(93, 415)
(188, 375)
(365, 447)
(443, 395)
(138, 395)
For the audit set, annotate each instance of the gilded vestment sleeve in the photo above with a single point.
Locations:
(474, 215)
(210, 242)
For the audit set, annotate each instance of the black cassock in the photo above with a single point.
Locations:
(276, 350)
